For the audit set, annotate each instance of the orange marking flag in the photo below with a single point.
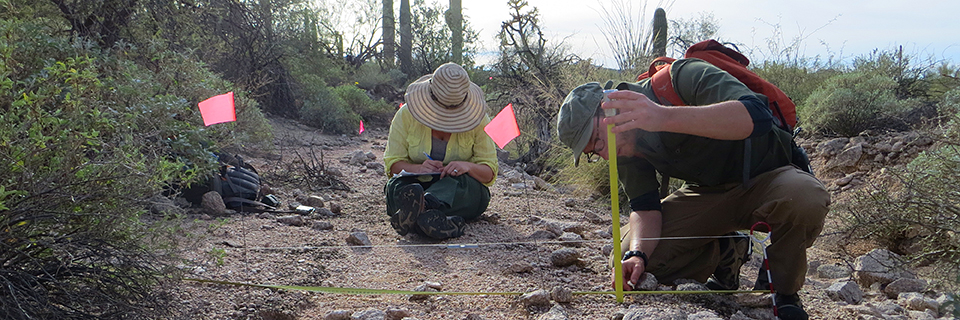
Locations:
(218, 109)
(503, 128)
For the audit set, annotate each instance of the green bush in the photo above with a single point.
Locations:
(915, 211)
(373, 111)
(848, 104)
(325, 110)
(798, 82)
(88, 135)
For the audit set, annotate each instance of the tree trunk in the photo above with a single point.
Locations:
(406, 39)
(455, 21)
(659, 33)
(389, 32)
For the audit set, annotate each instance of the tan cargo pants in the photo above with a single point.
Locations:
(793, 202)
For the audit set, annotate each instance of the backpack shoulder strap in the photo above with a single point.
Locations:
(662, 85)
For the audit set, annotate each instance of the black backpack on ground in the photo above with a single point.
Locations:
(237, 182)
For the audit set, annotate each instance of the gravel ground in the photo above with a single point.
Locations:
(508, 250)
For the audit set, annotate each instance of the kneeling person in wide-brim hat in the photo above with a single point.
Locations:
(448, 162)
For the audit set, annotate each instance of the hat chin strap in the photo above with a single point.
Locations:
(447, 106)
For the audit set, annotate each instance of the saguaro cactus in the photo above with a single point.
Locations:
(659, 37)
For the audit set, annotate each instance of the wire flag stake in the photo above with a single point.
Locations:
(766, 263)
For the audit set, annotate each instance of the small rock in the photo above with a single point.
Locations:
(321, 225)
(296, 221)
(895, 288)
(212, 203)
(570, 203)
(375, 166)
(704, 315)
(421, 297)
(335, 207)
(539, 298)
(866, 310)
(160, 205)
(561, 294)
(434, 285)
(917, 301)
(369, 314)
(314, 201)
(564, 257)
(593, 217)
(359, 238)
(337, 315)
(542, 235)
(323, 213)
(648, 282)
(571, 239)
(518, 267)
(832, 271)
(847, 291)
(556, 313)
(396, 314)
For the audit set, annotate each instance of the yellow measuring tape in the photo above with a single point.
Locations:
(614, 201)
(361, 291)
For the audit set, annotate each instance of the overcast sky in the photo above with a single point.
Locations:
(849, 28)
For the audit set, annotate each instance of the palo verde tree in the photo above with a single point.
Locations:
(530, 77)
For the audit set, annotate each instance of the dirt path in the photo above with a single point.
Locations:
(508, 250)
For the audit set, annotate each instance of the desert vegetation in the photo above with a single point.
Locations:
(99, 120)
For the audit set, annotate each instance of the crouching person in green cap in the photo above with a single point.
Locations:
(737, 170)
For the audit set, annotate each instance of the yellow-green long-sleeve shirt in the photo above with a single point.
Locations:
(409, 140)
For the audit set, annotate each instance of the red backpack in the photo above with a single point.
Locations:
(783, 109)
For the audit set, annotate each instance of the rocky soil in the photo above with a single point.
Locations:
(535, 239)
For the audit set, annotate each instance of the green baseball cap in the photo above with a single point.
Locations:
(574, 125)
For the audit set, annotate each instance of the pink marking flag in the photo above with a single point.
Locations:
(503, 128)
(361, 127)
(218, 109)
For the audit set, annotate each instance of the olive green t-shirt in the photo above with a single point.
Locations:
(694, 159)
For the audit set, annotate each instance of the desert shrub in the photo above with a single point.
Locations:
(325, 110)
(907, 70)
(950, 105)
(88, 136)
(914, 210)
(797, 81)
(915, 213)
(357, 101)
(370, 76)
(850, 103)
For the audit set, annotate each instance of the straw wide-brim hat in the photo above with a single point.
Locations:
(446, 100)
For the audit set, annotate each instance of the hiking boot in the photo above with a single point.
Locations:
(411, 205)
(437, 225)
(790, 308)
(734, 252)
(430, 201)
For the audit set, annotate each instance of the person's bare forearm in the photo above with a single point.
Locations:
(645, 225)
(728, 120)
